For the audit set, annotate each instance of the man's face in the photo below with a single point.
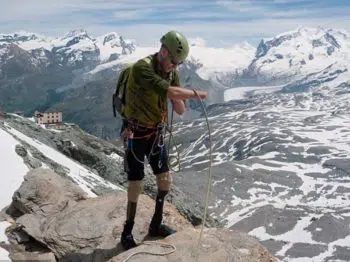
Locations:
(168, 61)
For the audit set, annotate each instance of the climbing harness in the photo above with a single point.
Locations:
(161, 147)
(157, 141)
(207, 141)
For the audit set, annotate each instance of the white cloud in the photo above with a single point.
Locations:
(285, 8)
(19, 9)
(245, 6)
(132, 14)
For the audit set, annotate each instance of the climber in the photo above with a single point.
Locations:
(152, 81)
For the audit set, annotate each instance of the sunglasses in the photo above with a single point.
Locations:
(172, 60)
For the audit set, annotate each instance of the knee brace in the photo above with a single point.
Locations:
(164, 181)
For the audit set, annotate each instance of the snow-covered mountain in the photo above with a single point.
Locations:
(112, 49)
(73, 46)
(46, 73)
(282, 59)
(280, 166)
(294, 55)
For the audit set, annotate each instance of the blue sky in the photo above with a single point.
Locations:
(219, 23)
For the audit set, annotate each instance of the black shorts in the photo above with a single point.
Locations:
(137, 148)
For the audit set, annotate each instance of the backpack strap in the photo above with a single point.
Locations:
(120, 91)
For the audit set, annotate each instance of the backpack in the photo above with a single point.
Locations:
(120, 92)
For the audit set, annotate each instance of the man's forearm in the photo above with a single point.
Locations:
(180, 93)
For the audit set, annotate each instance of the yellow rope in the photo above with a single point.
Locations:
(209, 176)
(177, 162)
(152, 253)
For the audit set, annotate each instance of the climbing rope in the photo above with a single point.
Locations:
(209, 174)
(170, 130)
(152, 253)
(206, 198)
(210, 163)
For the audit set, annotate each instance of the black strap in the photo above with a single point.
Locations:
(113, 102)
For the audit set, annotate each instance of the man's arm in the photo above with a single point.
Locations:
(146, 77)
(180, 93)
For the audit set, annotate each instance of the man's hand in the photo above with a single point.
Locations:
(179, 106)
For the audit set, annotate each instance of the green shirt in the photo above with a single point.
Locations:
(146, 95)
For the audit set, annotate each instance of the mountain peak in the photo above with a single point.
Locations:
(300, 52)
(310, 32)
(112, 38)
(20, 36)
(303, 37)
(24, 33)
(75, 33)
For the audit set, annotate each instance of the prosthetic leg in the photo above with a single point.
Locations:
(127, 239)
(156, 227)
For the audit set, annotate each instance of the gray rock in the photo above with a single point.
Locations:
(281, 220)
(21, 237)
(32, 162)
(332, 228)
(32, 256)
(340, 167)
(319, 150)
(91, 229)
(340, 254)
(22, 247)
(306, 250)
(272, 246)
(21, 151)
(31, 223)
(73, 227)
(342, 189)
(217, 245)
(44, 192)
(317, 175)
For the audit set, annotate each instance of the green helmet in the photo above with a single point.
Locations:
(177, 45)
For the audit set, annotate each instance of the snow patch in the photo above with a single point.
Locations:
(12, 168)
(239, 93)
(82, 176)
